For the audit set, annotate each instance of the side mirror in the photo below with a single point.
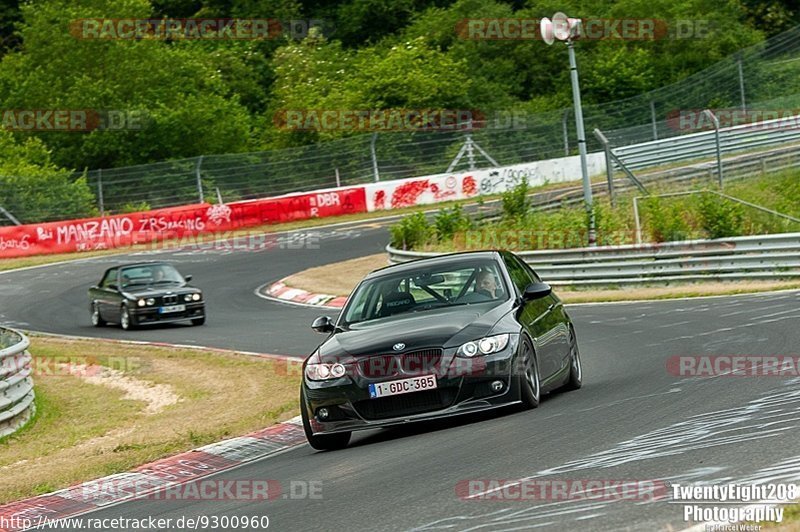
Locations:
(322, 324)
(537, 291)
(187, 277)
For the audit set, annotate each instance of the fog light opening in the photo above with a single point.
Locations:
(323, 413)
(496, 386)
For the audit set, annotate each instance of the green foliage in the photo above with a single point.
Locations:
(137, 206)
(448, 222)
(411, 232)
(180, 86)
(34, 189)
(207, 97)
(664, 219)
(720, 218)
(515, 201)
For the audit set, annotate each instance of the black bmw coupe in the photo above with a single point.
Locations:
(434, 338)
(144, 293)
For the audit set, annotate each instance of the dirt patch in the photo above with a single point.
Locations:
(155, 396)
(339, 278)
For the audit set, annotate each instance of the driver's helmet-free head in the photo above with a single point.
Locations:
(486, 283)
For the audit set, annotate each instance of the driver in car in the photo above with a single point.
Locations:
(486, 285)
(158, 275)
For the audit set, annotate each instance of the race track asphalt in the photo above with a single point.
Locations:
(632, 420)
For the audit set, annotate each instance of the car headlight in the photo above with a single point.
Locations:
(141, 302)
(484, 346)
(191, 297)
(196, 297)
(150, 302)
(321, 372)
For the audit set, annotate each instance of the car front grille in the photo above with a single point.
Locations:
(422, 362)
(405, 404)
(170, 300)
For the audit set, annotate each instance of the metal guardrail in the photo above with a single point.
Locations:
(736, 167)
(701, 145)
(748, 258)
(16, 384)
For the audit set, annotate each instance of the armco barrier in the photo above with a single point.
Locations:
(746, 137)
(16, 384)
(740, 258)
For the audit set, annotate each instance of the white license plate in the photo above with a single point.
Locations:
(414, 384)
(172, 308)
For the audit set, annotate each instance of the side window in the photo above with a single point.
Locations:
(533, 274)
(519, 274)
(109, 279)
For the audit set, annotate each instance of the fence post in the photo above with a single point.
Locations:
(374, 157)
(653, 119)
(714, 121)
(470, 154)
(338, 181)
(199, 180)
(565, 131)
(609, 165)
(100, 191)
(741, 82)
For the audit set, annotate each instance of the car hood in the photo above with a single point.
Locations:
(155, 291)
(446, 327)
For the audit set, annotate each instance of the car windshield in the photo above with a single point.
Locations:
(425, 288)
(150, 274)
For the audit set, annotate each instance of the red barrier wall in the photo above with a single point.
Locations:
(136, 228)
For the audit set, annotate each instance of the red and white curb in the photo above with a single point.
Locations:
(156, 476)
(280, 292)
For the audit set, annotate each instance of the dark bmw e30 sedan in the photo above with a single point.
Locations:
(434, 338)
(144, 293)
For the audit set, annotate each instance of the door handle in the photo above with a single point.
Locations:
(551, 307)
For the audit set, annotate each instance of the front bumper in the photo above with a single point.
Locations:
(463, 386)
(145, 315)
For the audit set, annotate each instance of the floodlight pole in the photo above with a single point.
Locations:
(576, 98)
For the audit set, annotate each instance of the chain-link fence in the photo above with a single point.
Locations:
(764, 76)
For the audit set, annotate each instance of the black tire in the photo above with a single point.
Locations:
(528, 379)
(126, 320)
(575, 380)
(97, 319)
(321, 442)
(199, 321)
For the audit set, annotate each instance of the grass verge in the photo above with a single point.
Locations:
(105, 407)
(340, 278)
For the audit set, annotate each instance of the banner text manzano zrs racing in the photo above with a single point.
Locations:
(125, 230)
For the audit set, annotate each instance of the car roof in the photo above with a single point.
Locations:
(434, 261)
(135, 264)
